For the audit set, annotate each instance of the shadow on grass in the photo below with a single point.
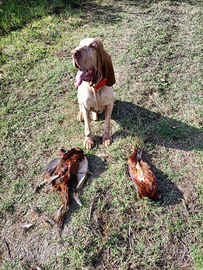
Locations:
(16, 15)
(169, 193)
(96, 166)
(157, 130)
(147, 3)
(104, 14)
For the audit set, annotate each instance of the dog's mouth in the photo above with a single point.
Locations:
(83, 75)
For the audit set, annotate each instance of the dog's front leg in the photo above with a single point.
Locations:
(107, 140)
(80, 114)
(89, 142)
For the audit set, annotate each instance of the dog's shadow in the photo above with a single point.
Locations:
(157, 130)
(154, 128)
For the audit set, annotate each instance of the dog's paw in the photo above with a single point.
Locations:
(80, 117)
(88, 143)
(107, 140)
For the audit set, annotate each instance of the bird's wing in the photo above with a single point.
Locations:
(49, 168)
(82, 171)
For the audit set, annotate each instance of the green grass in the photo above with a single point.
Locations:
(15, 14)
(156, 48)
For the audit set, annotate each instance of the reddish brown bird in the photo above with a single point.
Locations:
(142, 176)
(58, 173)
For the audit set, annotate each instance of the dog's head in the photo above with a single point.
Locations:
(93, 62)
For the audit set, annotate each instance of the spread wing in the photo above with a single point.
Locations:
(49, 168)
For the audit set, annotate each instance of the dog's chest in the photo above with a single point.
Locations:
(95, 100)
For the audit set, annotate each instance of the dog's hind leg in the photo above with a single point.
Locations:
(94, 116)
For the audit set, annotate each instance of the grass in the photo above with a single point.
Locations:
(15, 14)
(156, 48)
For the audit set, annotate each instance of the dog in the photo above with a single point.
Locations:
(94, 80)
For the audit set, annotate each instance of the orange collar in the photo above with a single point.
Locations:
(100, 84)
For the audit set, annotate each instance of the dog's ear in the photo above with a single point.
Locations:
(109, 71)
(104, 64)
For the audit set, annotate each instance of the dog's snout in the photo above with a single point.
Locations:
(76, 54)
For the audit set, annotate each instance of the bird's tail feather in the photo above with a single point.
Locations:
(138, 147)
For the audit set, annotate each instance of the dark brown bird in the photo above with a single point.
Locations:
(58, 173)
(142, 176)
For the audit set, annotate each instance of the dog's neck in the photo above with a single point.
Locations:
(102, 81)
(100, 84)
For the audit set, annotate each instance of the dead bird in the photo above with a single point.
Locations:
(142, 176)
(58, 173)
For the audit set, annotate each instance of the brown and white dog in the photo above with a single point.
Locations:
(94, 80)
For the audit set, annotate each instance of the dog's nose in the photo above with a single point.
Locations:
(76, 54)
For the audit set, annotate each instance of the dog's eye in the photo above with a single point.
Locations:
(92, 45)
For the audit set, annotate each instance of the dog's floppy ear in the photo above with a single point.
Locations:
(109, 71)
(104, 65)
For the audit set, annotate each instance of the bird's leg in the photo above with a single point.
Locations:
(76, 198)
(38, 186)
(37, 214)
